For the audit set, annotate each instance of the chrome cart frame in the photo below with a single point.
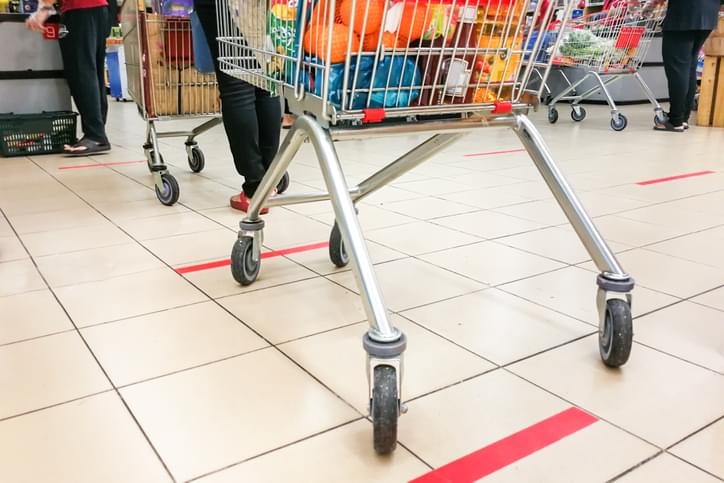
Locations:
(166, 86)
(322, 122)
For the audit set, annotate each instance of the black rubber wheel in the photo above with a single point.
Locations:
(197, 160)
(616, 338)
(385, 409)
(552, 115)
(620, 124)
(243, 267)
(578, 114)
(660, 117)
(149, 159)
(168, 195)
(283, 184)
(337, 252)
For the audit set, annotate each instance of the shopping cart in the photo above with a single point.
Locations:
(166, 86)
(462, 71)
(608, 47)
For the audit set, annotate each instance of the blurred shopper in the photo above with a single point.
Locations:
(86, 26)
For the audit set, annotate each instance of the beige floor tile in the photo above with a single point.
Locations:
(667, 469)
(319, 262)
(168, 341)
(498, 326)
(286, 229)
(545, 212)
(218, 282)
(202, 420)
(488, 408)
(597, 204)
(491, 262)
(96, 264)
(128, 192)
(49, 220)
(578, 458)
(29, 315)
(637, 233)
(699, 247)
(651, 388)
(193, 247)
(38, 201)
(690, 331)
(704, 449)
(18, 277)
(5, 230)
(132, 210)
(296, 310)
(488, 224)
(74, 239)
(46, 371)
(411, 283)
(167, 225)
(428, 208)
(390, 194)
(11, 249)
(338, 360)
(371, 217)
(420, 237)
(127, 296)
(572, 291)
(714, 299)
(347, 456)
(670, 275)
(531, 190)
(434, 187)
(85, 441)
(486, 198)
(688, 220)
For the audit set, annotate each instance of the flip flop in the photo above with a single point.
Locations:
(90, 147)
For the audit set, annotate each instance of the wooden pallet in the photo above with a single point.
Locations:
(711, 99)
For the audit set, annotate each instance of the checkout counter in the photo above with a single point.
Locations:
(31, 70)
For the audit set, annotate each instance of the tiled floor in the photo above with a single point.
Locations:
(116, 368)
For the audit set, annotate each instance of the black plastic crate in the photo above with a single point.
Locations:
(45, 133)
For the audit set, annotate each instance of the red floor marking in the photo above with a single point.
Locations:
(506, 151)
(508, 450)
(674, 178)
(272, 254)
(96, 165)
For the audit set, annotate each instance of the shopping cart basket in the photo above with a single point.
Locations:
(166, 86)
(608, 47)
(360, 69)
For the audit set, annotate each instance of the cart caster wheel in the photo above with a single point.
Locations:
(620, 123)
(243, 267)
(168, 195)
(616, 338)
(385, 409)
(552, 115)
(283, 184)
(149, 160)
(578, 114)
(337, 252)
(660, 117)
(197, 160)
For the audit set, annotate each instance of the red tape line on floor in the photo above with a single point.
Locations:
(276, 253)
(674, 178)
(508, 450)
(97, 165)
(491, 153)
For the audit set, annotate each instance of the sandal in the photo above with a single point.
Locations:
(86, 147)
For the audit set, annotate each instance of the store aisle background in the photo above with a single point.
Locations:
(113, 367)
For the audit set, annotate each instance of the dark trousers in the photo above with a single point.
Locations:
(681, 54)
(84, 52)
(252, 117)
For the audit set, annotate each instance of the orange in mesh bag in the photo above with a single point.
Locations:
(317, 36)
(373, 9)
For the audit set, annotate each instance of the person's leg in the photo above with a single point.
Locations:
(698, 37)
(103, 31)
(676, 50)
(268, 113)
(79, 52)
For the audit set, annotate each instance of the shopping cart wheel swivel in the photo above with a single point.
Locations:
(197, 160)
(169, 192)
(385, 409)
(149, 161)
(283, 184)
(619, 123)
(578, 113)
(616, 337)
(245, 264)
(337, 252)
(552, 115)
(660, 117)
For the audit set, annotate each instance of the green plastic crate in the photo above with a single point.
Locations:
(45, 133)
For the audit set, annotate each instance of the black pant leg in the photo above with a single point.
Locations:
(252, 118)
(676, 50)
(104, 31)
(79, 49)
(698, 39)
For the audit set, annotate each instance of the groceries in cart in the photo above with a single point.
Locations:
(365, 54)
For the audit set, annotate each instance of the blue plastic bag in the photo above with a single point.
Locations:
(202, 53)
(400, 75)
